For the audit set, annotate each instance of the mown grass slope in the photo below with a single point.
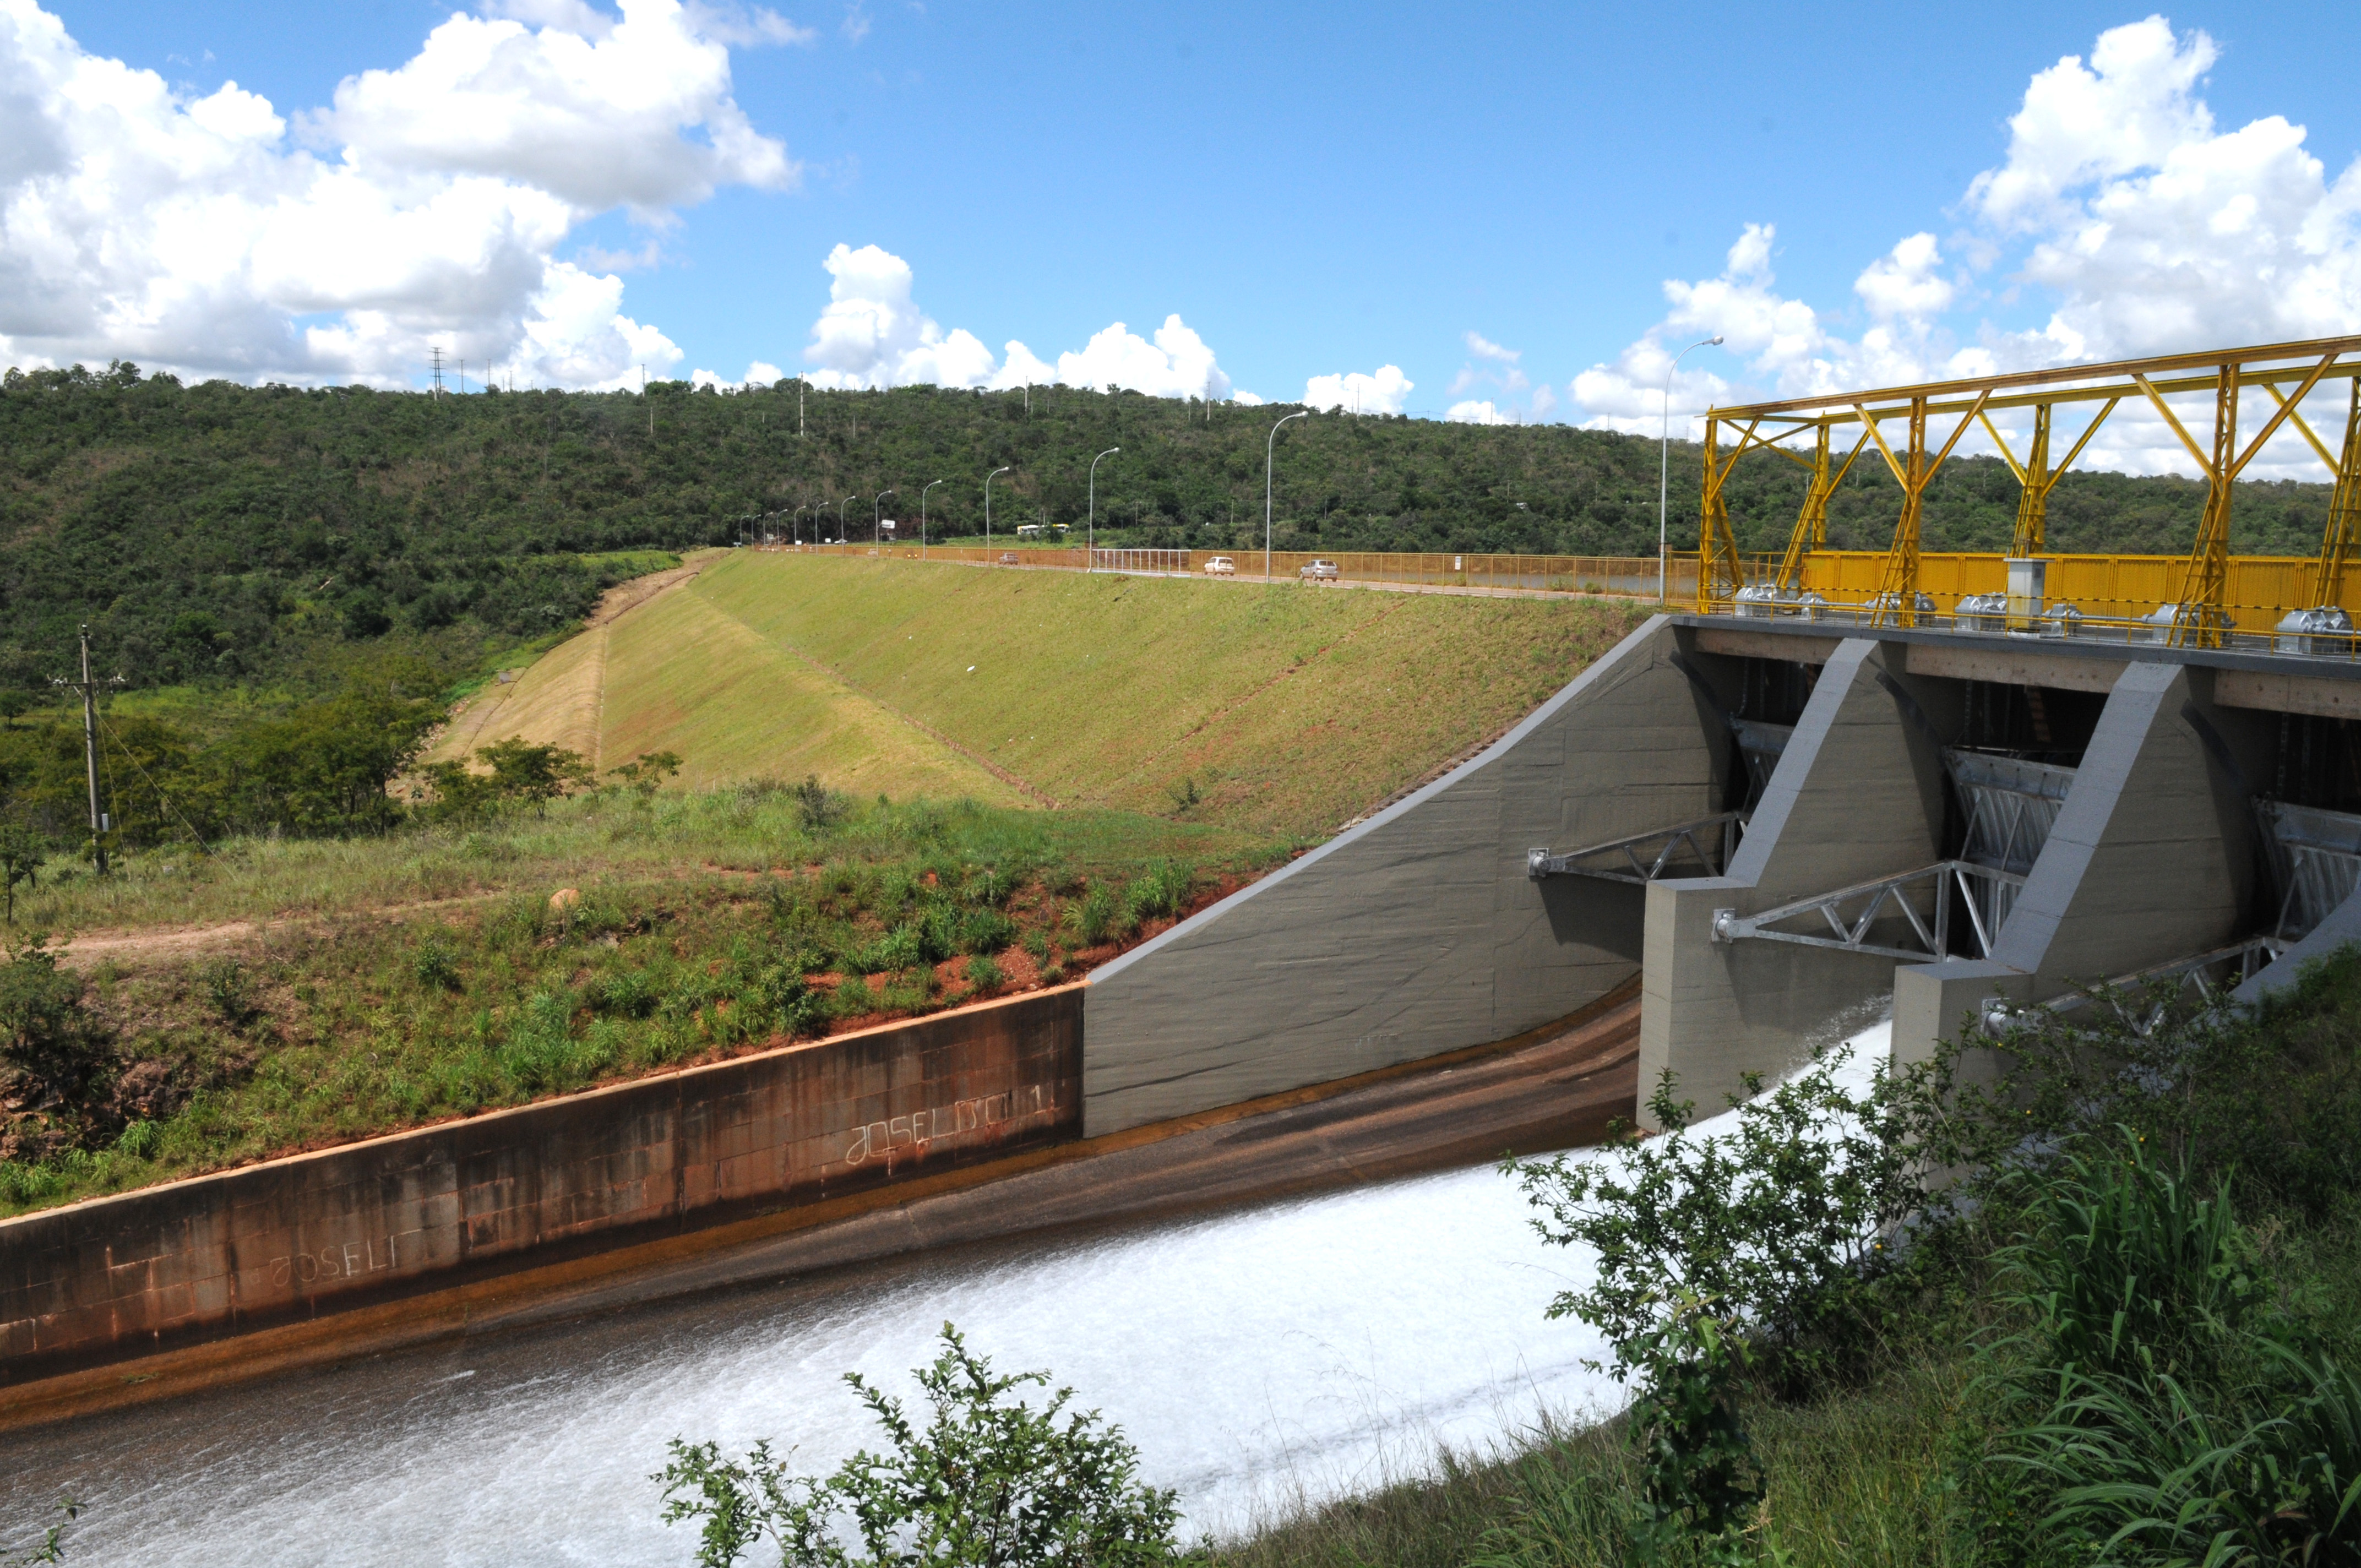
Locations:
(678, 674)
(1286, 709)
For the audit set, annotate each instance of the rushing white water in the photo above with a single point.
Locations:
(1258, 1357)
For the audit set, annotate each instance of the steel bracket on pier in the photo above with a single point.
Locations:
(1701, 848)
(2209, 976)
(1850, 914)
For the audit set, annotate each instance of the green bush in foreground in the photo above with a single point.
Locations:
(2123, 1337)
(989, 1481)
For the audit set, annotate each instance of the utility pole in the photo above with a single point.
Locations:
(800, 385)
(100, 823)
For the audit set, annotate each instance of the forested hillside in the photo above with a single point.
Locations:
(228, 533)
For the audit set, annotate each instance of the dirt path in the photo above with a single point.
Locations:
(175, 943)
(575, 694)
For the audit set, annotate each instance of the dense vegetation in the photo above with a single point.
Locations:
(221, 532)
(537, 944)
(2127, 1336)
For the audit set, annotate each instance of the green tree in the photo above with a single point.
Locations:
(516, 774)
(989, 1481)
(54, 1052)
(20, 861)
(647, 771)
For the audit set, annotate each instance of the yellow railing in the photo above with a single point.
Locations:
(2259, 590)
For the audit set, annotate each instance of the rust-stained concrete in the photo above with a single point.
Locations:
(132, 1274)
(1556, 1086)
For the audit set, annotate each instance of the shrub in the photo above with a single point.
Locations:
(627, 993)
(985, 931)
(437, 967)
(1098, 916)
(1783, 1223)
(230, 992)
(543, 1057)
(819, 808)
(983, 974)
(50, 1042)
(941, 933)
(988, 1479)
(1160, 891)
(897, 950)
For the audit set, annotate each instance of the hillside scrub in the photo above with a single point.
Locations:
(2128, 1339)
(219, 533)
(606, 934)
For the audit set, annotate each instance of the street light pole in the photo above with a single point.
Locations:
(1268, 446)
(987, 506)
(1663, 467)
(1092, 536)
(922, 518)
(877, 524)
(840, 516)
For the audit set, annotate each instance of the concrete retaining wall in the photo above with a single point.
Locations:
(118, 1277)
(1418, 931)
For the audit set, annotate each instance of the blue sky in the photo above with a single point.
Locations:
(1318, 190)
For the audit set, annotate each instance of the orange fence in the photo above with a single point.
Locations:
(1635, 574)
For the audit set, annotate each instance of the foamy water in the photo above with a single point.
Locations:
(1304, 1349)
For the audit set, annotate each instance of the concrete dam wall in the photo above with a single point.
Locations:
(1764, 829)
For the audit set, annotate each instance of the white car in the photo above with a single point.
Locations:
(1320, 572)
(1221, 566)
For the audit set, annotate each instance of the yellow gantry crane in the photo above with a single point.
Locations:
(2287, 371)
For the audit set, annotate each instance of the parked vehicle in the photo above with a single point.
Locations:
(1221, 566)
(1008, 559)
(1318, 572)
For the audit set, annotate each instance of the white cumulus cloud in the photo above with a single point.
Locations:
(1473, 413)
(872, 334)
(2120, 208)
(422, 207)
(1354, 392)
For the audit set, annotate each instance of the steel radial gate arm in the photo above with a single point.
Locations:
(1849, 930)
(1629, 859)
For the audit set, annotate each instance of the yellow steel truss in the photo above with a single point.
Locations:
(1811, 530)
(2199, 617)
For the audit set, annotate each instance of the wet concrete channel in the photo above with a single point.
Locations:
(1300, 1303)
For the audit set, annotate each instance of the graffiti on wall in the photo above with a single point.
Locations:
(915, 1133)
